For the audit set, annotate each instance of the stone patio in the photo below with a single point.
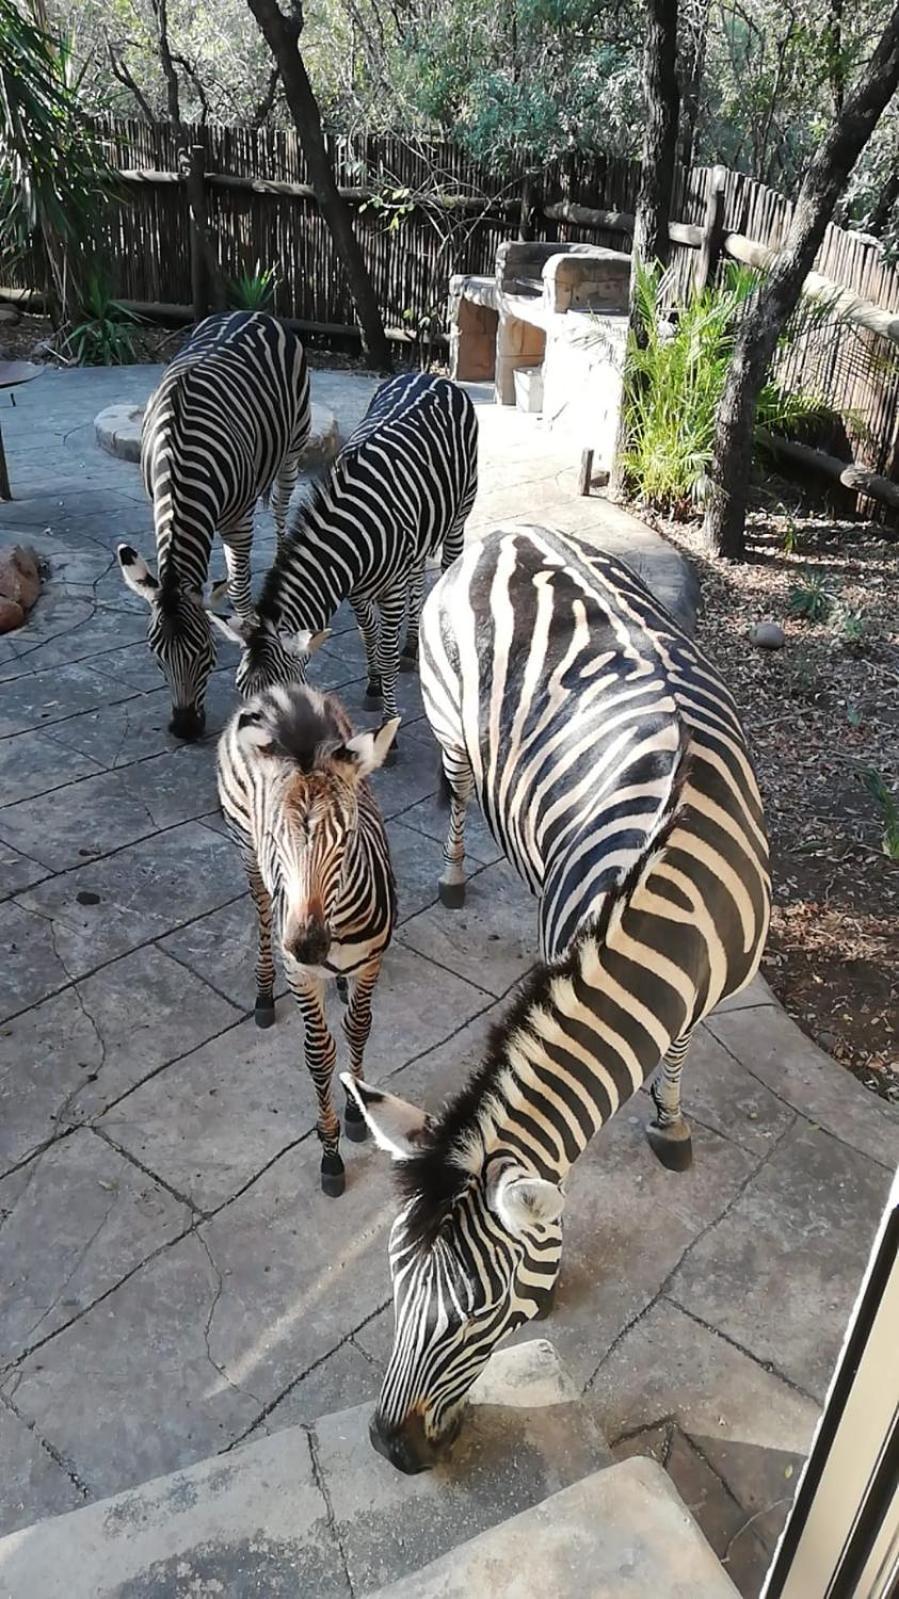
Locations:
(172, 1280)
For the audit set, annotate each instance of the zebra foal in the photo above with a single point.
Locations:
(611, 767)
(292, 783)
(228, 422)
(399, 491)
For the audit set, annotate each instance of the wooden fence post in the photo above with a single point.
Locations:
(193, 166)
(712, 232)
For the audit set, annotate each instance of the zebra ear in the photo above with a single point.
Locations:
(304, 643)
(232, 628)
(396, 1126)
(137, 574)
(523, 1202)
(368, 751)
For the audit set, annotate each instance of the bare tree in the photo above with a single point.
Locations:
(283, 36)
(779, 293)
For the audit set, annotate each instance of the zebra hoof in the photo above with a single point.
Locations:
(452, 895)
(354, 1123)
(265, 1012)
(333, 1176)
(373, 698)
(343, 992)
(409, 663)
(673, 1145)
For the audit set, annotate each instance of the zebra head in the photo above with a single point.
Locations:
(474, 1252)
(179, 637)
(309, 764)
(268, 654)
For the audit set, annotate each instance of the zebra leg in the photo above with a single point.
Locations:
(237, 562)
(460, 780)
(409, 657)
(282, 489)
(669, 1134)
(321, 1053)
(357, 1026)
(265, 966)
(391, 607)
(367, 622)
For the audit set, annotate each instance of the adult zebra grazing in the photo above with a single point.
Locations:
(611, 767)
(292, 782)
(399, 491)
(228, 422)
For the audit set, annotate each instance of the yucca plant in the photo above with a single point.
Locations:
(105, 334)
(253, 291)
(674, 383)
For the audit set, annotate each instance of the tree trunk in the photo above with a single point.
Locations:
(886, 202)
(776, 297)
(652, 241)
(282, 34)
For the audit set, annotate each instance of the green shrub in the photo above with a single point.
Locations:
(253, 291)
(811, 600)
(106, 333)
(674, 384)
(889, 812)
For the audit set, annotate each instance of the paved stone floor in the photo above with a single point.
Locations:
(171, 1278)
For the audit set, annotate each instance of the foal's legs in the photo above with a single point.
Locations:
(321, 1052)
(265, 966)
(669, 1134)
(460, 781)
(357, 1026)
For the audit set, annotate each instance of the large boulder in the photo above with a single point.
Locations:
(20, 577)
(11, 615)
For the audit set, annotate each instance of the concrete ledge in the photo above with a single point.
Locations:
(619, 1534)
(291, 1514)
(118, 430)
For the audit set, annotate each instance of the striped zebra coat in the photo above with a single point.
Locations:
(228, 422)
(399, 492)
(292, 781)
(610, 764)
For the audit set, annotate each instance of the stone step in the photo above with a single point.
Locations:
(312, 1512)
(617, 1534)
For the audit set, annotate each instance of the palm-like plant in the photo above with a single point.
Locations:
(676, 378)
(53, 175)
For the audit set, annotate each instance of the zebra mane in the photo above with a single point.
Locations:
(296, 723)
(452, 1149)
(319, 503)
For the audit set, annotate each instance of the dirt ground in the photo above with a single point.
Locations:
(822, 715)
(29, 340)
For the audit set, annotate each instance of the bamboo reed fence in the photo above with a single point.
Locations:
(451, 216)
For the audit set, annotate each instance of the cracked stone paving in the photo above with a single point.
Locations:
(172, 1280)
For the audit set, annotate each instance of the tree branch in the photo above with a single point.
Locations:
(263, 107)
(123, 75)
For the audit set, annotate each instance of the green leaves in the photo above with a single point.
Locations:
(253, 291)
(675, 380)
(105, 334)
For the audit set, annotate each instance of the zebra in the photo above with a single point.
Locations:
(228, 422)
(292, 780)
(399, 491)
(611, 767)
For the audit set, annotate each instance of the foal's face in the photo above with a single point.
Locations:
(320, 815)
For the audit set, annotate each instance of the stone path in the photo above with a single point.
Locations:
(171, 1278)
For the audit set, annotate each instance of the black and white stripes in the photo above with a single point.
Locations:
(227, 423)
(399, 491)
(292, 783)
(611, 767)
